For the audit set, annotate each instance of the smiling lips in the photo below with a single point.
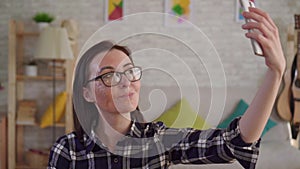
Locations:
(130, 94)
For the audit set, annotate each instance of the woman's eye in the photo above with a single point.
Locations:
(130, 71)
(110, 75)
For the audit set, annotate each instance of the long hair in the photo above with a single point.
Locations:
(85, 113)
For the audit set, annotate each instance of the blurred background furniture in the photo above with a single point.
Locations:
(22, 40)
(3, 141)
(276, 151)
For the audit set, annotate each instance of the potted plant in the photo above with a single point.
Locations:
(43, 19)
(31, 68)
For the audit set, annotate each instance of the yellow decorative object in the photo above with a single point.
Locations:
(182, 115)
(60, 105)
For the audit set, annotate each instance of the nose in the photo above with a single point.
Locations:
(124, 81)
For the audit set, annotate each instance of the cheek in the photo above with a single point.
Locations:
(104, 98)
(107, 98)
(136, 88)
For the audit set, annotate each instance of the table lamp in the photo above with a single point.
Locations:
(53, 44)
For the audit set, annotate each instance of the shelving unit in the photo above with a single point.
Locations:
(16, 88)
(22, 77)
(3, 141)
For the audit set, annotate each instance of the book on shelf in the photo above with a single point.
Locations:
(59, 71)
(57, 63)
(26, 112)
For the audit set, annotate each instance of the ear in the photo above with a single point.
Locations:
(88, 95)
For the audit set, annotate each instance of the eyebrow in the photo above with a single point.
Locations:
(105, 67)
(110, 67)
(127, 64)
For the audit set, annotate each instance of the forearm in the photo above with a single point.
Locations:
(255, 118)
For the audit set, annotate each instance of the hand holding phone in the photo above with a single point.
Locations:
(255, 45)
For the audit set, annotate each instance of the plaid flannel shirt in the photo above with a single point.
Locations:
(156, 146)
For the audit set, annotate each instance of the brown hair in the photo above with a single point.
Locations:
(82, 108)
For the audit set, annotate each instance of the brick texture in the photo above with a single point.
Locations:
(217, 22)
(167, 61)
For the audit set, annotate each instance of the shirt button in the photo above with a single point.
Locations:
(116, 160)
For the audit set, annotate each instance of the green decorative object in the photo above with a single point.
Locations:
(239, 111)
(177, 9)
(43, 17)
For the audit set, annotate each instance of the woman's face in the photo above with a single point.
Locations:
(123, 97)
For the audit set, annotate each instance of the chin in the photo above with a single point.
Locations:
(125, 109)
(126, 105)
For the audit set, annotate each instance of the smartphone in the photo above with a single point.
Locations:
(255, 45)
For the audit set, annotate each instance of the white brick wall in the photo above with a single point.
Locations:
(241, 67)
(217, 22)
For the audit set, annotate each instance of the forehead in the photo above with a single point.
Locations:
(114, 58)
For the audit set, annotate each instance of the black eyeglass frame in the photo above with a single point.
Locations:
(121, 73)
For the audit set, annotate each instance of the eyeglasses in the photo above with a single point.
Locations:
(113, 78)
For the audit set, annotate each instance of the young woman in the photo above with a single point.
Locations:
(110, 132)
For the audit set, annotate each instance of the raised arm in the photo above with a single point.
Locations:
(255, 118)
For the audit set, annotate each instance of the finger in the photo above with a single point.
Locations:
(263, 41)
(264, 14)
(261, 27)
(258, 18)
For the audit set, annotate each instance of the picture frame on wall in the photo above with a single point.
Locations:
(114, 10)
(238, 10)
(178, 13)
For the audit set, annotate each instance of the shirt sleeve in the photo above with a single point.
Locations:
(59, 155)
(215, 146)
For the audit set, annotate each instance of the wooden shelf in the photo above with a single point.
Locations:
(37, 125)
(23, 77)
(17, 84)
(3, 142)
(34, 34)
(23, 166)
(60, 125)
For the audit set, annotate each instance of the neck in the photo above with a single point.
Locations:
(112, 127)
(115, 122)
